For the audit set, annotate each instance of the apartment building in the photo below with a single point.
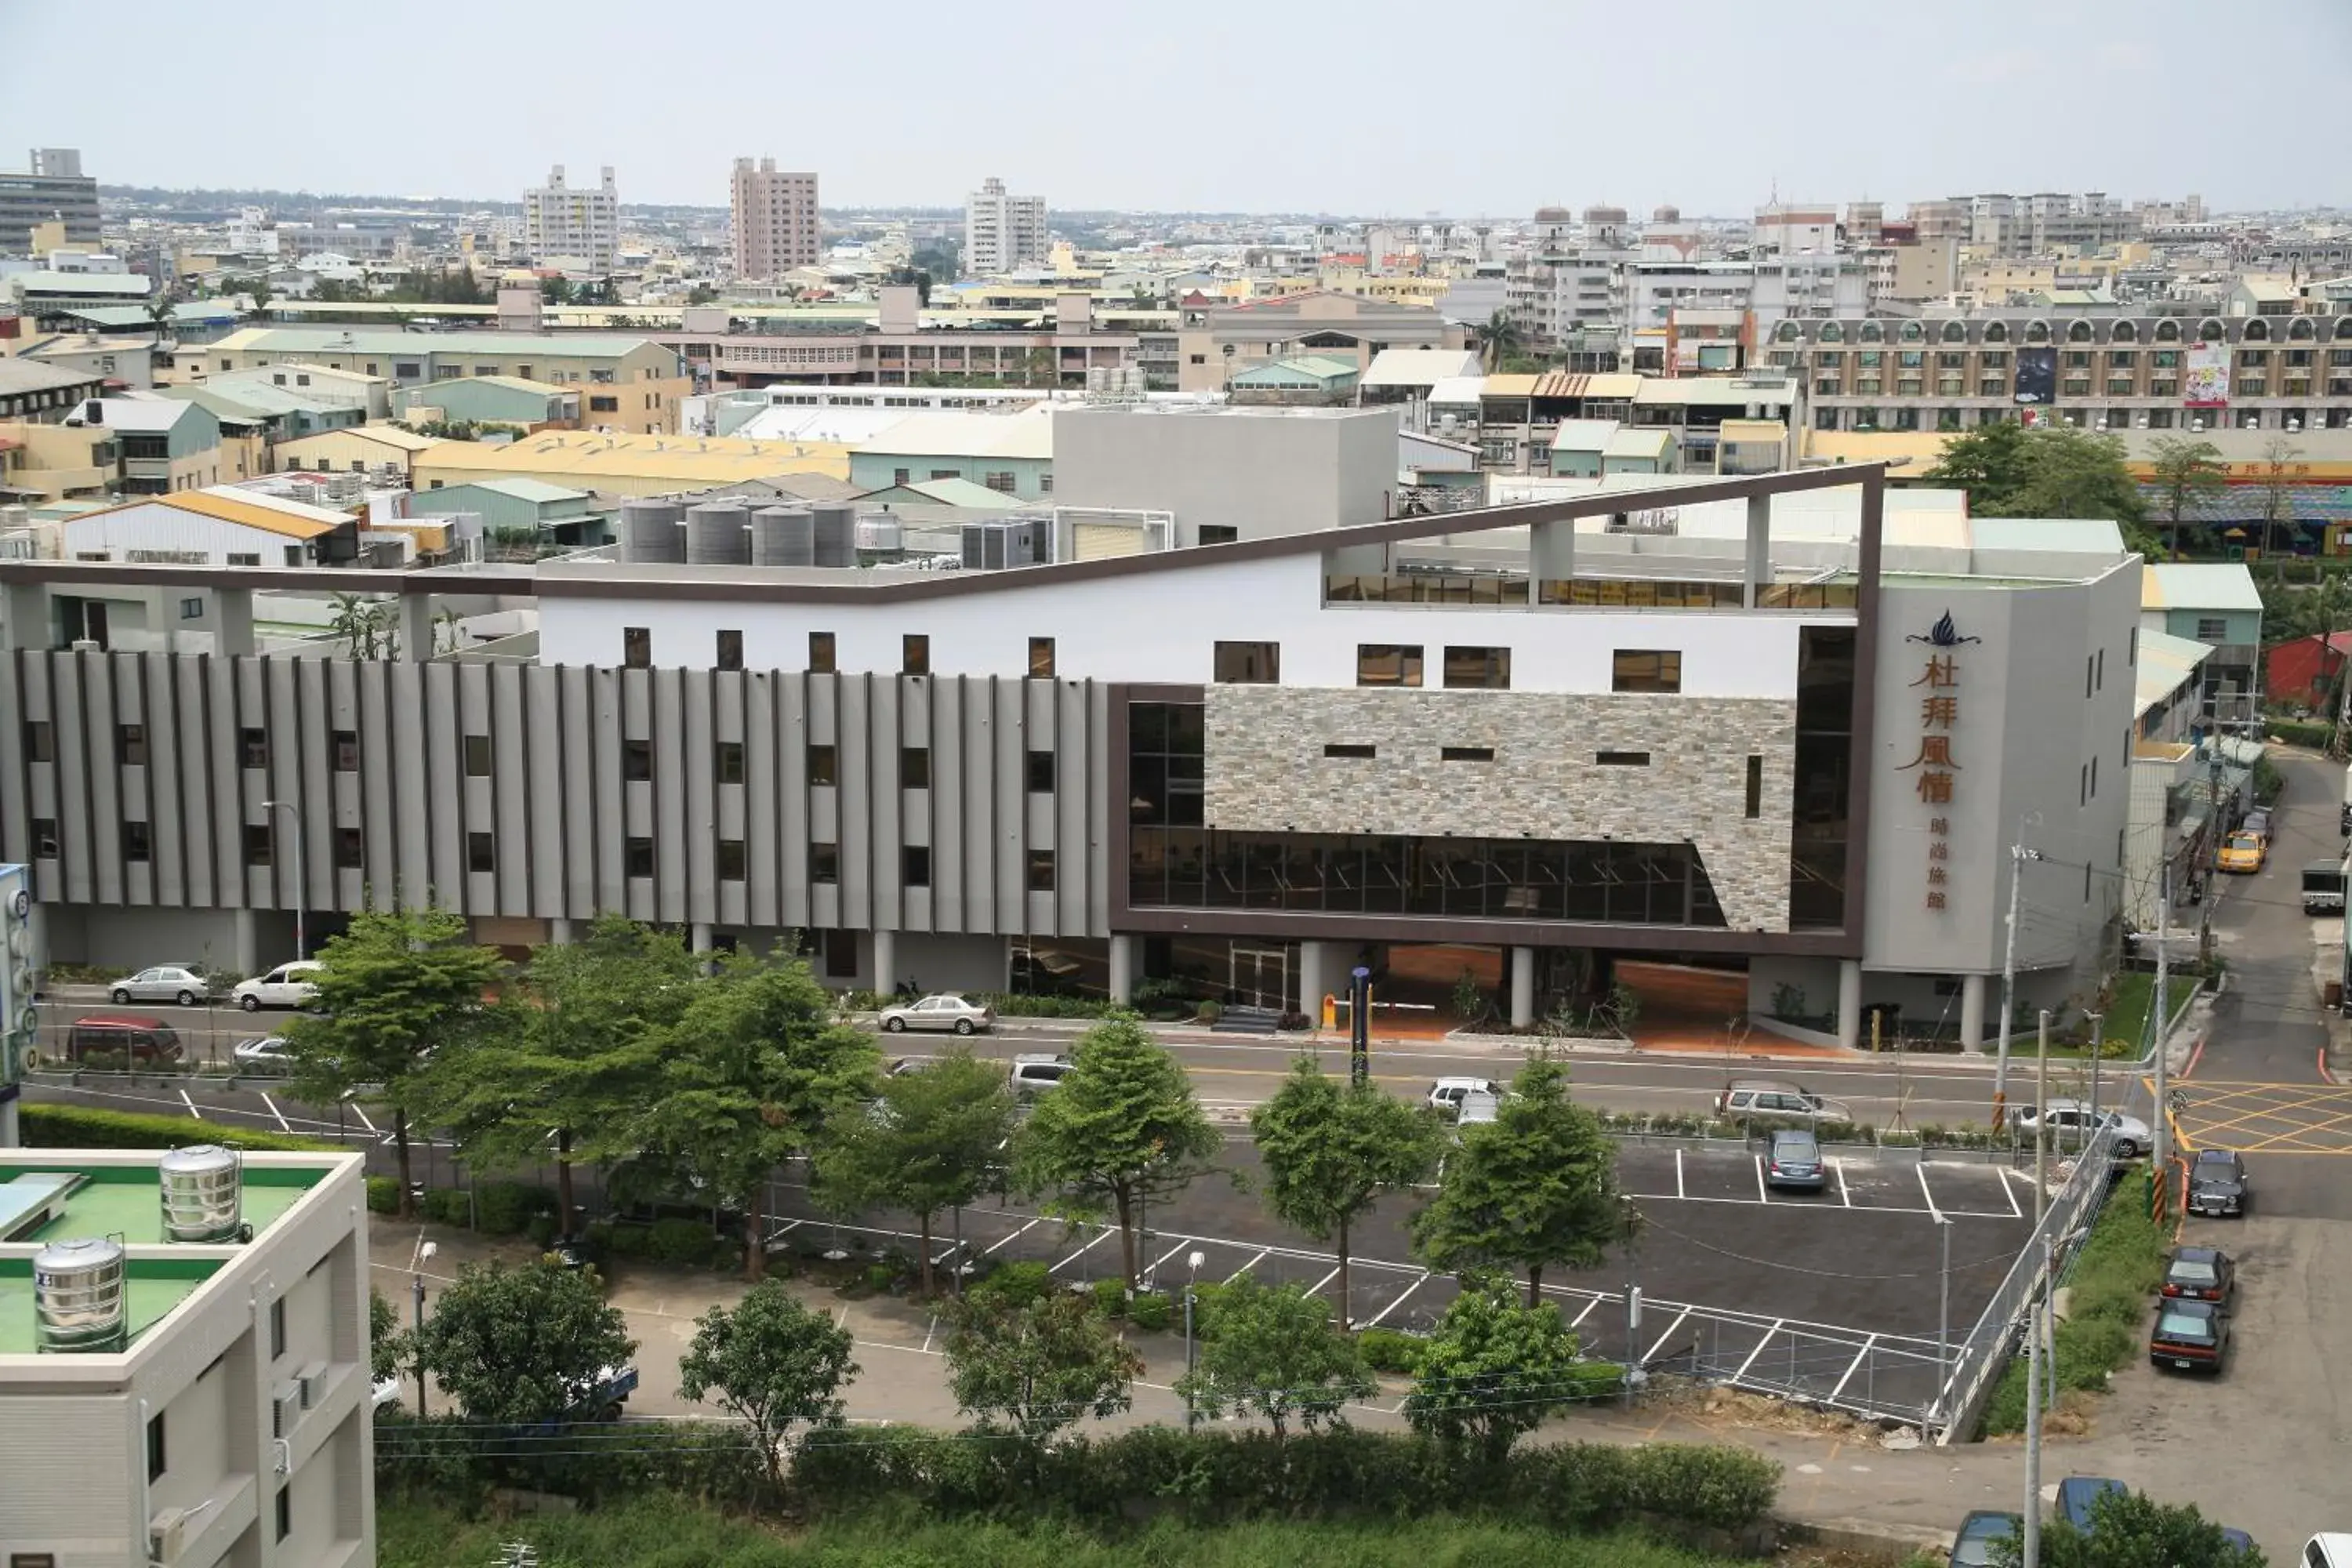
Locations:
(184, 1359)
(50, 188)
(1216, 342)
(575, 228)
(772, 219)
(905, 345)
(1002, 233)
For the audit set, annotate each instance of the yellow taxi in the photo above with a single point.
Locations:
(2242, 852)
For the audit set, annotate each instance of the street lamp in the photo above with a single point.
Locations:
(299, 866)
(416, 1260)
(1192, 1262)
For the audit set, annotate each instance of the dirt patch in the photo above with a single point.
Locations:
(1738, 1407)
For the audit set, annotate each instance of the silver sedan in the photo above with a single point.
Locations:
(946, 1011)
(164, 982)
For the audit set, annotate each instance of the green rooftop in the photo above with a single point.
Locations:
(125, 1201)
(155, 1285)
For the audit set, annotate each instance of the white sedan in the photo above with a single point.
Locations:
(175, 983)
(946, 1011)
(263, 1052)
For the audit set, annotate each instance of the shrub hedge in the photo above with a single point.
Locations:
(2110, 1283)
(49, 1125)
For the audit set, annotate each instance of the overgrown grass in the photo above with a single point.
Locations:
(2113, 1281)
(2126, 1014)
(668, 1532)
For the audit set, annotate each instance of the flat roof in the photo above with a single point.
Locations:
(580, 458)
(507, 345)
(1028, 433)
(2197, 586)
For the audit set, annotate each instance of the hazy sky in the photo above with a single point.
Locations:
(1376, 106)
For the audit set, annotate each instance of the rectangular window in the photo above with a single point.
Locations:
(820, 659)
(285, 1512)
(45, 838)
(915, 654)
(347, 851)
(914, 767)
(637, 858)
(346, 751)
(1478, 667)
(131, 746)
(253, 744)
(277, 1328)
(1249, 663)
(40, 741)
(2211, 628)
(1755, 788)
(824, 863)
(731, 860)
(1646, 669)
(155, 1452)
(637, 760)
(1041, 870)
(251, 558)
(1350, 749)
(481, 852)
(730, 650)
(478, 756)
(1388, 664)
(1040, 773)
(1465, 753)
(257, 844)
(821, 766)
(1219, 533)
(1621, 759)
(637, 646)
(727, 761)
(192, 609)
(136, 843)
(2089, 666)
(915, 863)
(1041, 659)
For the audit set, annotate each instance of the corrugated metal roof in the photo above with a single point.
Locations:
(1419, 367)
(383, 435)
(1637, 441)
(1582, 435)
(224, 508)
(2181, 585)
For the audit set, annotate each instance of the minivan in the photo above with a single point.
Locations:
(1035, 1074)
(140, 1040)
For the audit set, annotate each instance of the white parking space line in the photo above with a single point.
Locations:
(1403, 1296)
(2010, 1192)
(282, 1126)
(1757, 1351)
(1105, 1235)
(1678, 1173)
(362, 1115)
(191, 1105)
(1250, 1265)
(1672, 1329)
(1928, 1191)
(1015, 1236)
(1859, 1357)
(1763, 1194)
(1319, 1285)
(1844, 1196)
(1181, 1243)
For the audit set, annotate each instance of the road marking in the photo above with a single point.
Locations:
(1181, 1243)
(191, 1105)
(361, 1112)
(1399, 1301)
(933, 1327)
(1660, 1343)
(2190, 1070)
(1578, 1321)
(1844, 1196)
(1317, 1288)
(2010, 1192)
(1859, 1357)
(282, 1126)
(1025, 1230)
(1250, 1265)
(1930, 1196)
(1108, 1232)
(1759, 1350)
(1763, 1194)
(1678, 1173)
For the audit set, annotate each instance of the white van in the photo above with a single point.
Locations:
(2330, 1549)
(288, 985)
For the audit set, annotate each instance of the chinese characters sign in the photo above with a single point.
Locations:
(1935, 770)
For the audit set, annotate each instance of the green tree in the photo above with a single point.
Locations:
(386, 1344)
(775, 1363)
(752, 1070)
(1499, 340)
(1492, 1370)
(258, 290)
(1331, 1150)
(1037, 1368)
(1271, 1351)
(2280, 459)
(522, 1345)
(395, 989)
(555, 290)
(915, 279)
(577, 1056)
(1989, 462)
(2185, 471)
(2130, 1530)
(933, 1140)
(1534, 1188)
(1120, 1130)
(2071, 473)
(702, 294)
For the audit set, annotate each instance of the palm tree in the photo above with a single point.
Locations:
(1498, 340)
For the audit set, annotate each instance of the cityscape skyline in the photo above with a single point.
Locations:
(1978, 113)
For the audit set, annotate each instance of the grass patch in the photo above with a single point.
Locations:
(670, 1532)
(2112, 1280)
(2126, 1014)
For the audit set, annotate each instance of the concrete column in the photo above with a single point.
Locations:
(245, 943)
(698, 936)
(1317, 975)
(416, 625)
(559, 930)
(886, 960)
(1122, 968)
(1759, 547)
(232, 622)
(1849, 1002)
(1972, 1001)
(1523, 987)
(25, 621)
(1552, 555)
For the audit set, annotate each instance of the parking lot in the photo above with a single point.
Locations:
(1834, 1295)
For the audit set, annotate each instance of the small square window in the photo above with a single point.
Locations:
(637, 760)
(349, 856)
(40, 741)
(1219, 533)
(821, 766)
(1645, 670)
(481, 852)
(1041, 659)
(916, 654)
(346, 751)
(1040, 773)
(45, 838)
(637, 858)
(824, 863)
(478, 756)
(727, 761)
(1478, 667)
(730, 650)
(257, 844)
(1388, 664)
(138, 842)
(914, 767)
(1249, 663)
(192, 609)
(1755, 788)
(637, 646)
(1041, 870)
(915, 862)
(131, 746)
(254, 743)
(820, 660)
(731, 860)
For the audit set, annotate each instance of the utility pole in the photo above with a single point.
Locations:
(2098, 1048)
(2041, 1123)
(2030, 1557)
(2160, 1013)
(2018, 855)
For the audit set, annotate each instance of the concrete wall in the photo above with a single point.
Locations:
(1264, 471)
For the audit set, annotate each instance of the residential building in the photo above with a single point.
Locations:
(1518, 415)
(387, 453)
(1306, 379)
(1597, 449)
(224, 526)
(502, 400)
(50, 188)
(2215, 605)
(206, 1400)
(578, 229)
(1410, 375)
(557, 513)
(2308, 672)
(1002, 233)
(158, 445)
(773, 218)
(2169, 837)
(624, 465)
(1011, 454)
(44, 394)
(1216, 342)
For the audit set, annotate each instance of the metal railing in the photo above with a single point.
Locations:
(1977, 1361)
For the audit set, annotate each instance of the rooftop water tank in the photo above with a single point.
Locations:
(650, 532)
(782, 536)
(836, 534)
(202, 1189)
(81, 1299)
(883, 535)
(717, 535)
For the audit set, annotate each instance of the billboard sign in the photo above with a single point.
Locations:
(2037, 377)
(2208, 385)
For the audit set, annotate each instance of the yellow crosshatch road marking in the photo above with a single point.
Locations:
(2262, 1118)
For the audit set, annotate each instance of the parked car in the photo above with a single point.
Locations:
(1478, 1107)
(1777, 1097)
(2323, 888)
(945, 1011)
(175, 983)
(2328, 1549)
(1980, 1534)
(2079, 1495)
(1034, 1075)
(2239, 1540)
(288, 985)
(1794, 1159)
(1446, 1095)
(2201, 1274)
(386, 1391)
(138, 1037)
(263, 1052)
(2243, 853)
(2217, 1182)
(2071, 1125)
(2189, 1336)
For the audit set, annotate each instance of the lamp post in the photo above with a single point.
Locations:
(424, 1249)
(1192, 1262)
(301, 865)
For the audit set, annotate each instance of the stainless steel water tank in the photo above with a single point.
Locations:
(81, 1299)
(202, 1189)
(782, 536)
(882, 535)
(650, 532)
(717, 535)
(836, 534)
